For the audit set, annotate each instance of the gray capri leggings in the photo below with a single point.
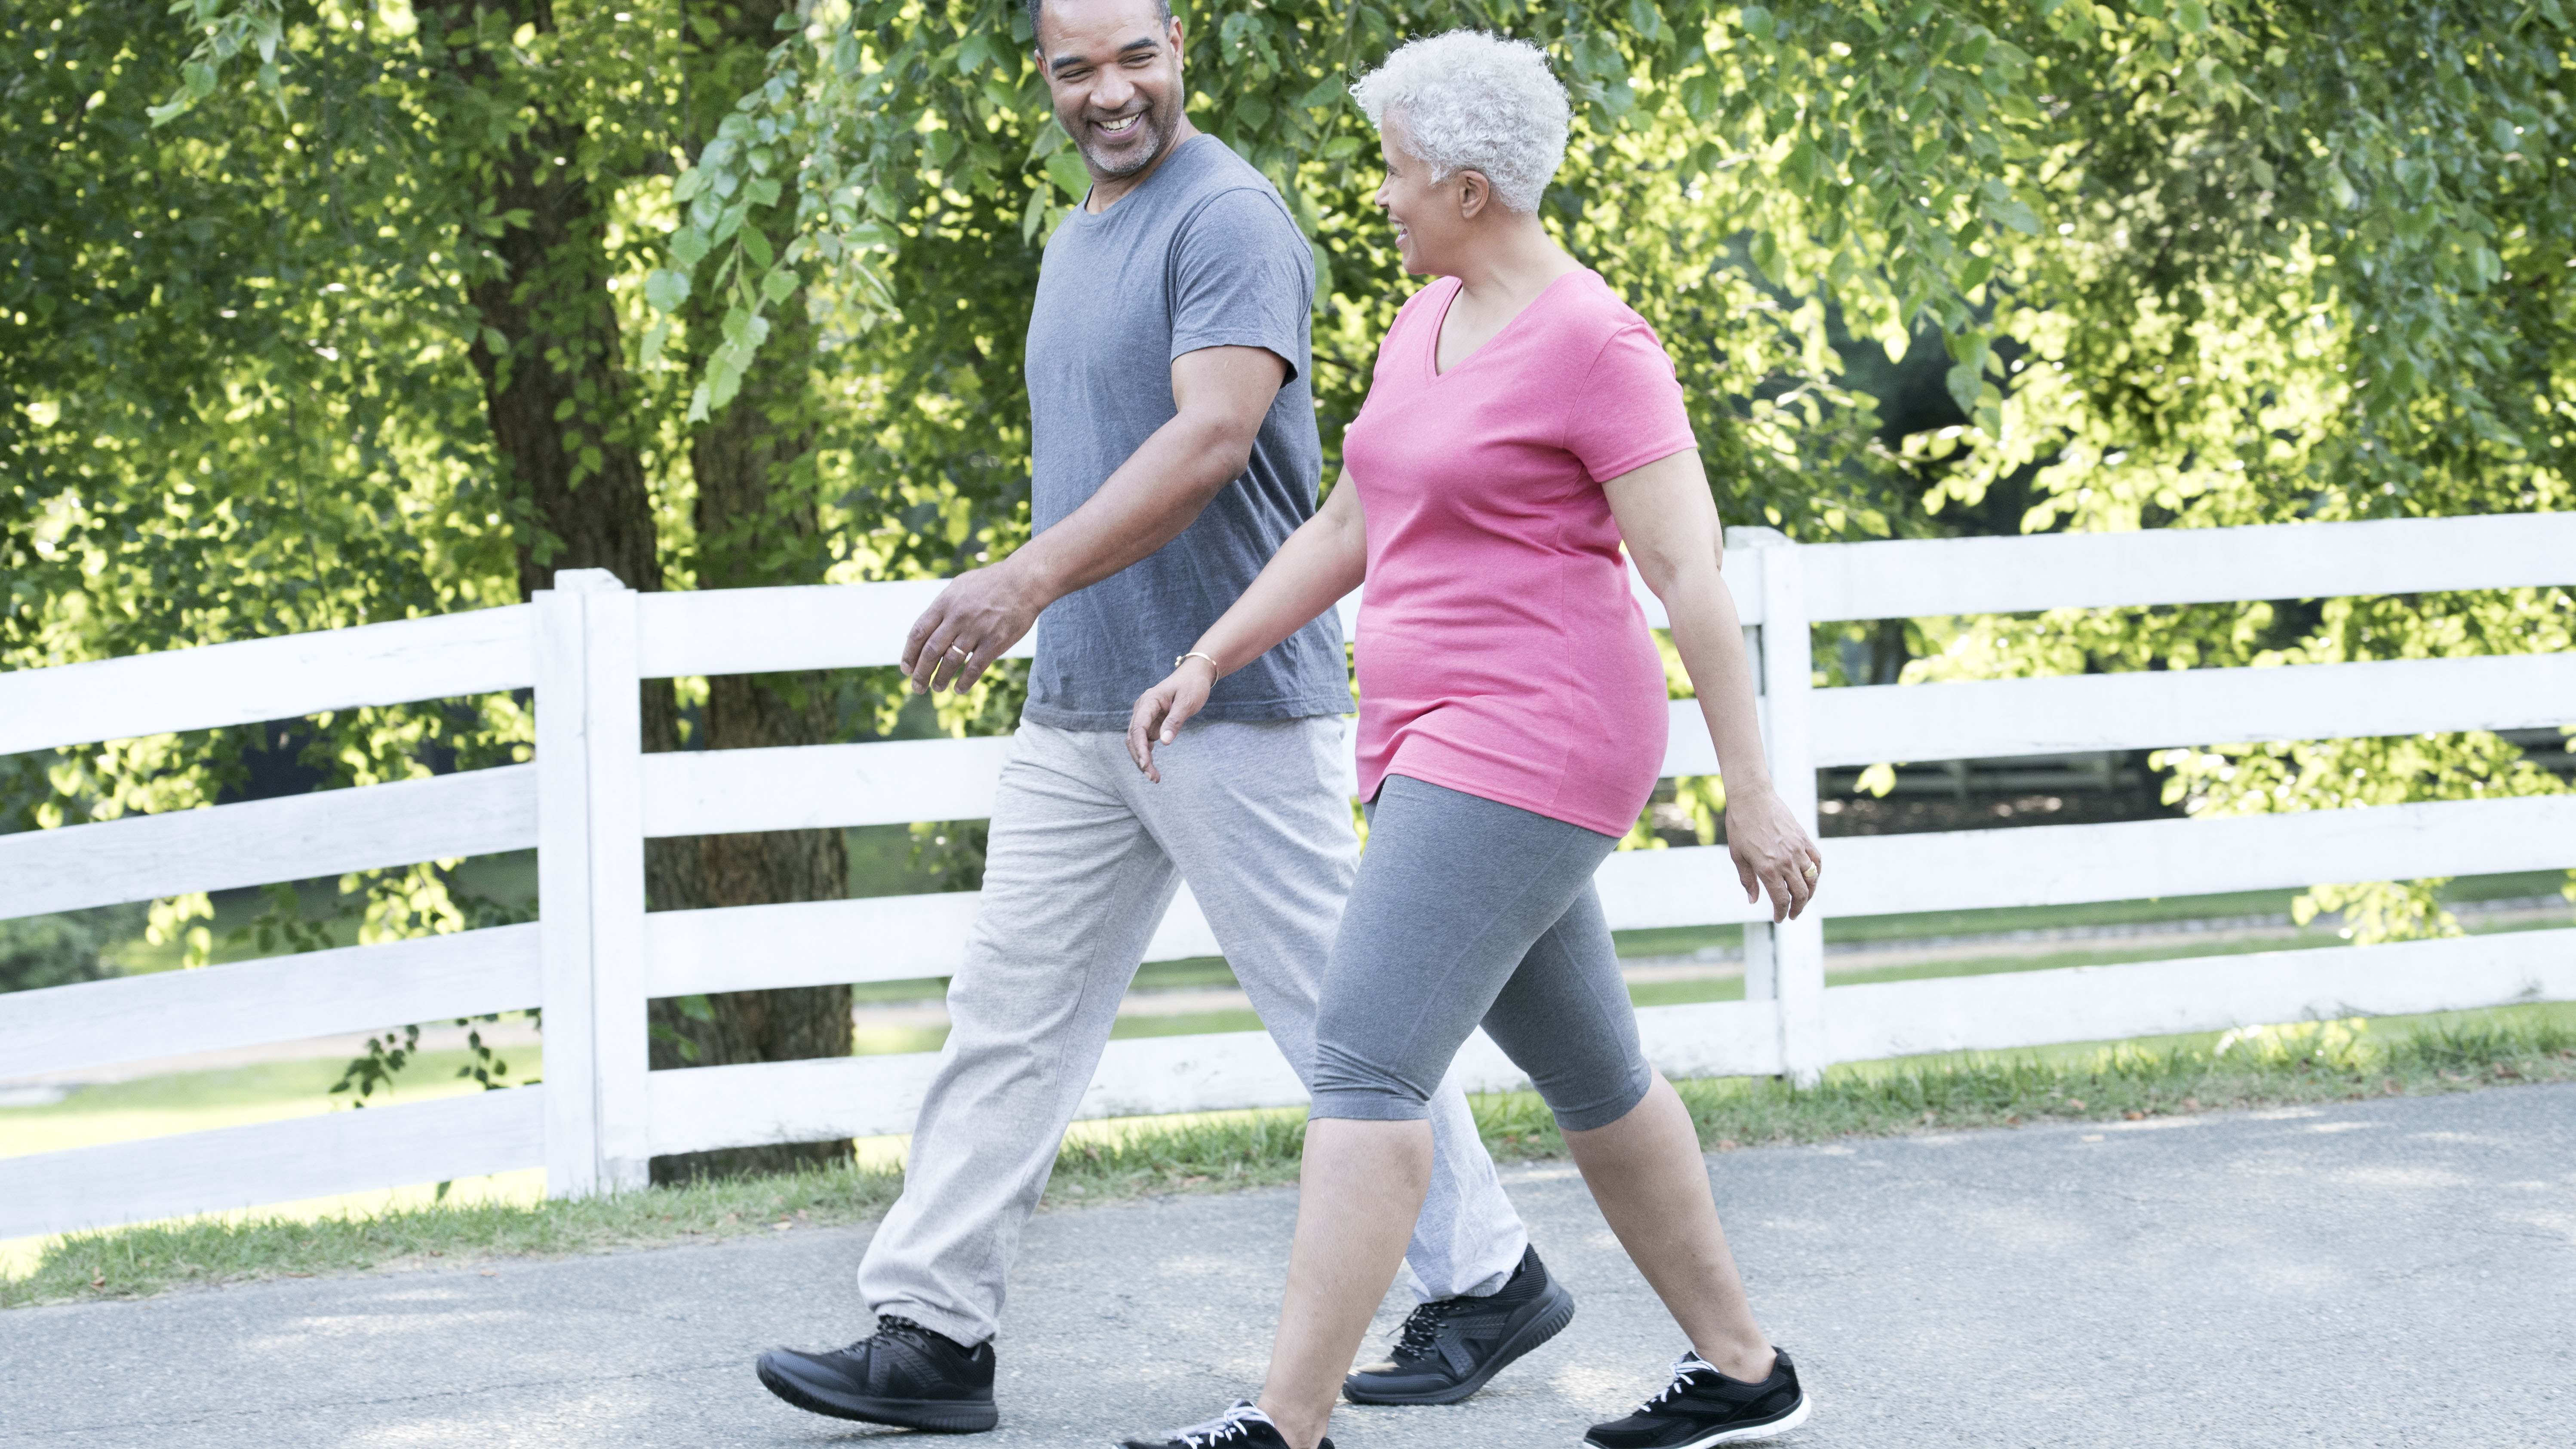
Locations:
(1468, 911)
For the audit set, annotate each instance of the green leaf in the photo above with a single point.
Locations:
(1704, 95)
(1766, 254)
(724, 377)
(1964, 383)
(743, 329)
(688, 247)
(1800, 167)
(656, 337)
(665, 290)
(756, 246)
(779, 283)
(763, 192)
(2010, 213)
(688, 185)
(1070, 176)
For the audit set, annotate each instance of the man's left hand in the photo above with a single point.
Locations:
(981, 613)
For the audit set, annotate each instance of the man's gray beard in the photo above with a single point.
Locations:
(1155, 128)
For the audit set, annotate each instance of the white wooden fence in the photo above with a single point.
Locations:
(592, 798)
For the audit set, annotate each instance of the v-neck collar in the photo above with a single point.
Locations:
(1431, 355)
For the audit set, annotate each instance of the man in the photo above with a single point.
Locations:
(1174, 446)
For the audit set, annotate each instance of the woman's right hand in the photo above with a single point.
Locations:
(1163, 709)
(1772, 850)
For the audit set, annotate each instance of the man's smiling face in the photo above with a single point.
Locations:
(1115, 69)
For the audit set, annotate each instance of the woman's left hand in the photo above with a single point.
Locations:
(1772, 850)
(1163, 709)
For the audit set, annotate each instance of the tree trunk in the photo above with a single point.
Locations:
(562, 413)
(753, 463)
(556, 392)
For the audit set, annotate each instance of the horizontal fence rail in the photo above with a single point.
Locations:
(298, 837)
(1916, 579)
(277, 998)
(272, 1162)
(810, 787)
(2206, 993)
(2072, 714)
(591, 799)
(2056, 865)
(483, 651)
(759, 948)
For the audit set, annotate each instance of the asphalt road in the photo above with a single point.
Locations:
(2386, 1273)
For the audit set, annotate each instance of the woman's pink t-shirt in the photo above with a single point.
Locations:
(1500, 652)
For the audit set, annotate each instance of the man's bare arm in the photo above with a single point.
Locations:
(1222, 395)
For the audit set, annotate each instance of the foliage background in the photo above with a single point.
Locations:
(318, 313)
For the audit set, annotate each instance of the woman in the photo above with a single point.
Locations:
(1521, 424)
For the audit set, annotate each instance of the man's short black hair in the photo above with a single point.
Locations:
(1162, 12)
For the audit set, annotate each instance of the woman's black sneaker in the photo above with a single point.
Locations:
(905, 1375)
(1241, 1426)
(1450, 1346)
(1701, 1407)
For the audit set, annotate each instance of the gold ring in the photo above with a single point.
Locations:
(1811, 872)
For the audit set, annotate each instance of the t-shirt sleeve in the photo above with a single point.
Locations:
(1242, 277)
(1629, 411)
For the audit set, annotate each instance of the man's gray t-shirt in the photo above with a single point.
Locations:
(1204, 254)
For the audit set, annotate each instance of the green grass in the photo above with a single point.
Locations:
(1105, 1162)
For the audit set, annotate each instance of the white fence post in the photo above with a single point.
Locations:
(1788, 959)
(590, 882)
(619, 1031)
(563, 889)
(1761, 964)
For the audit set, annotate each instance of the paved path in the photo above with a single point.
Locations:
(2388, 1273)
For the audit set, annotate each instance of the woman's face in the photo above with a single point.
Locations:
(1428, 223)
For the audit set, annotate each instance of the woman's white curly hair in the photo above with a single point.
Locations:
(1473, 101)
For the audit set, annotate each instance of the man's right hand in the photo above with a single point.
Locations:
(981, 614)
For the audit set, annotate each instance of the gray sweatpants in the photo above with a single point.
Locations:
(1466, 911)
(1085, 854)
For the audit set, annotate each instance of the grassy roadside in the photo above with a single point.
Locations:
(2317, 1062)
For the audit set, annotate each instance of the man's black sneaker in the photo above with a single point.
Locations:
(1241, 1426)
(1450, 1346)
(904, 1375)
(1701, 1407)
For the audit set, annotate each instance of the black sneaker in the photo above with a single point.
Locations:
(1701, 1407)
(904, 1375)
(1241, 1424)
(1450, 1346)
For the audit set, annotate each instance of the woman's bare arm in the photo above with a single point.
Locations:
(1670, 525)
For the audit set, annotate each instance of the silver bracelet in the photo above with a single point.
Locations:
(1180, 659)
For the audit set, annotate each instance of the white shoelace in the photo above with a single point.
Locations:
(1683, 1367)
(1228, 1425)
